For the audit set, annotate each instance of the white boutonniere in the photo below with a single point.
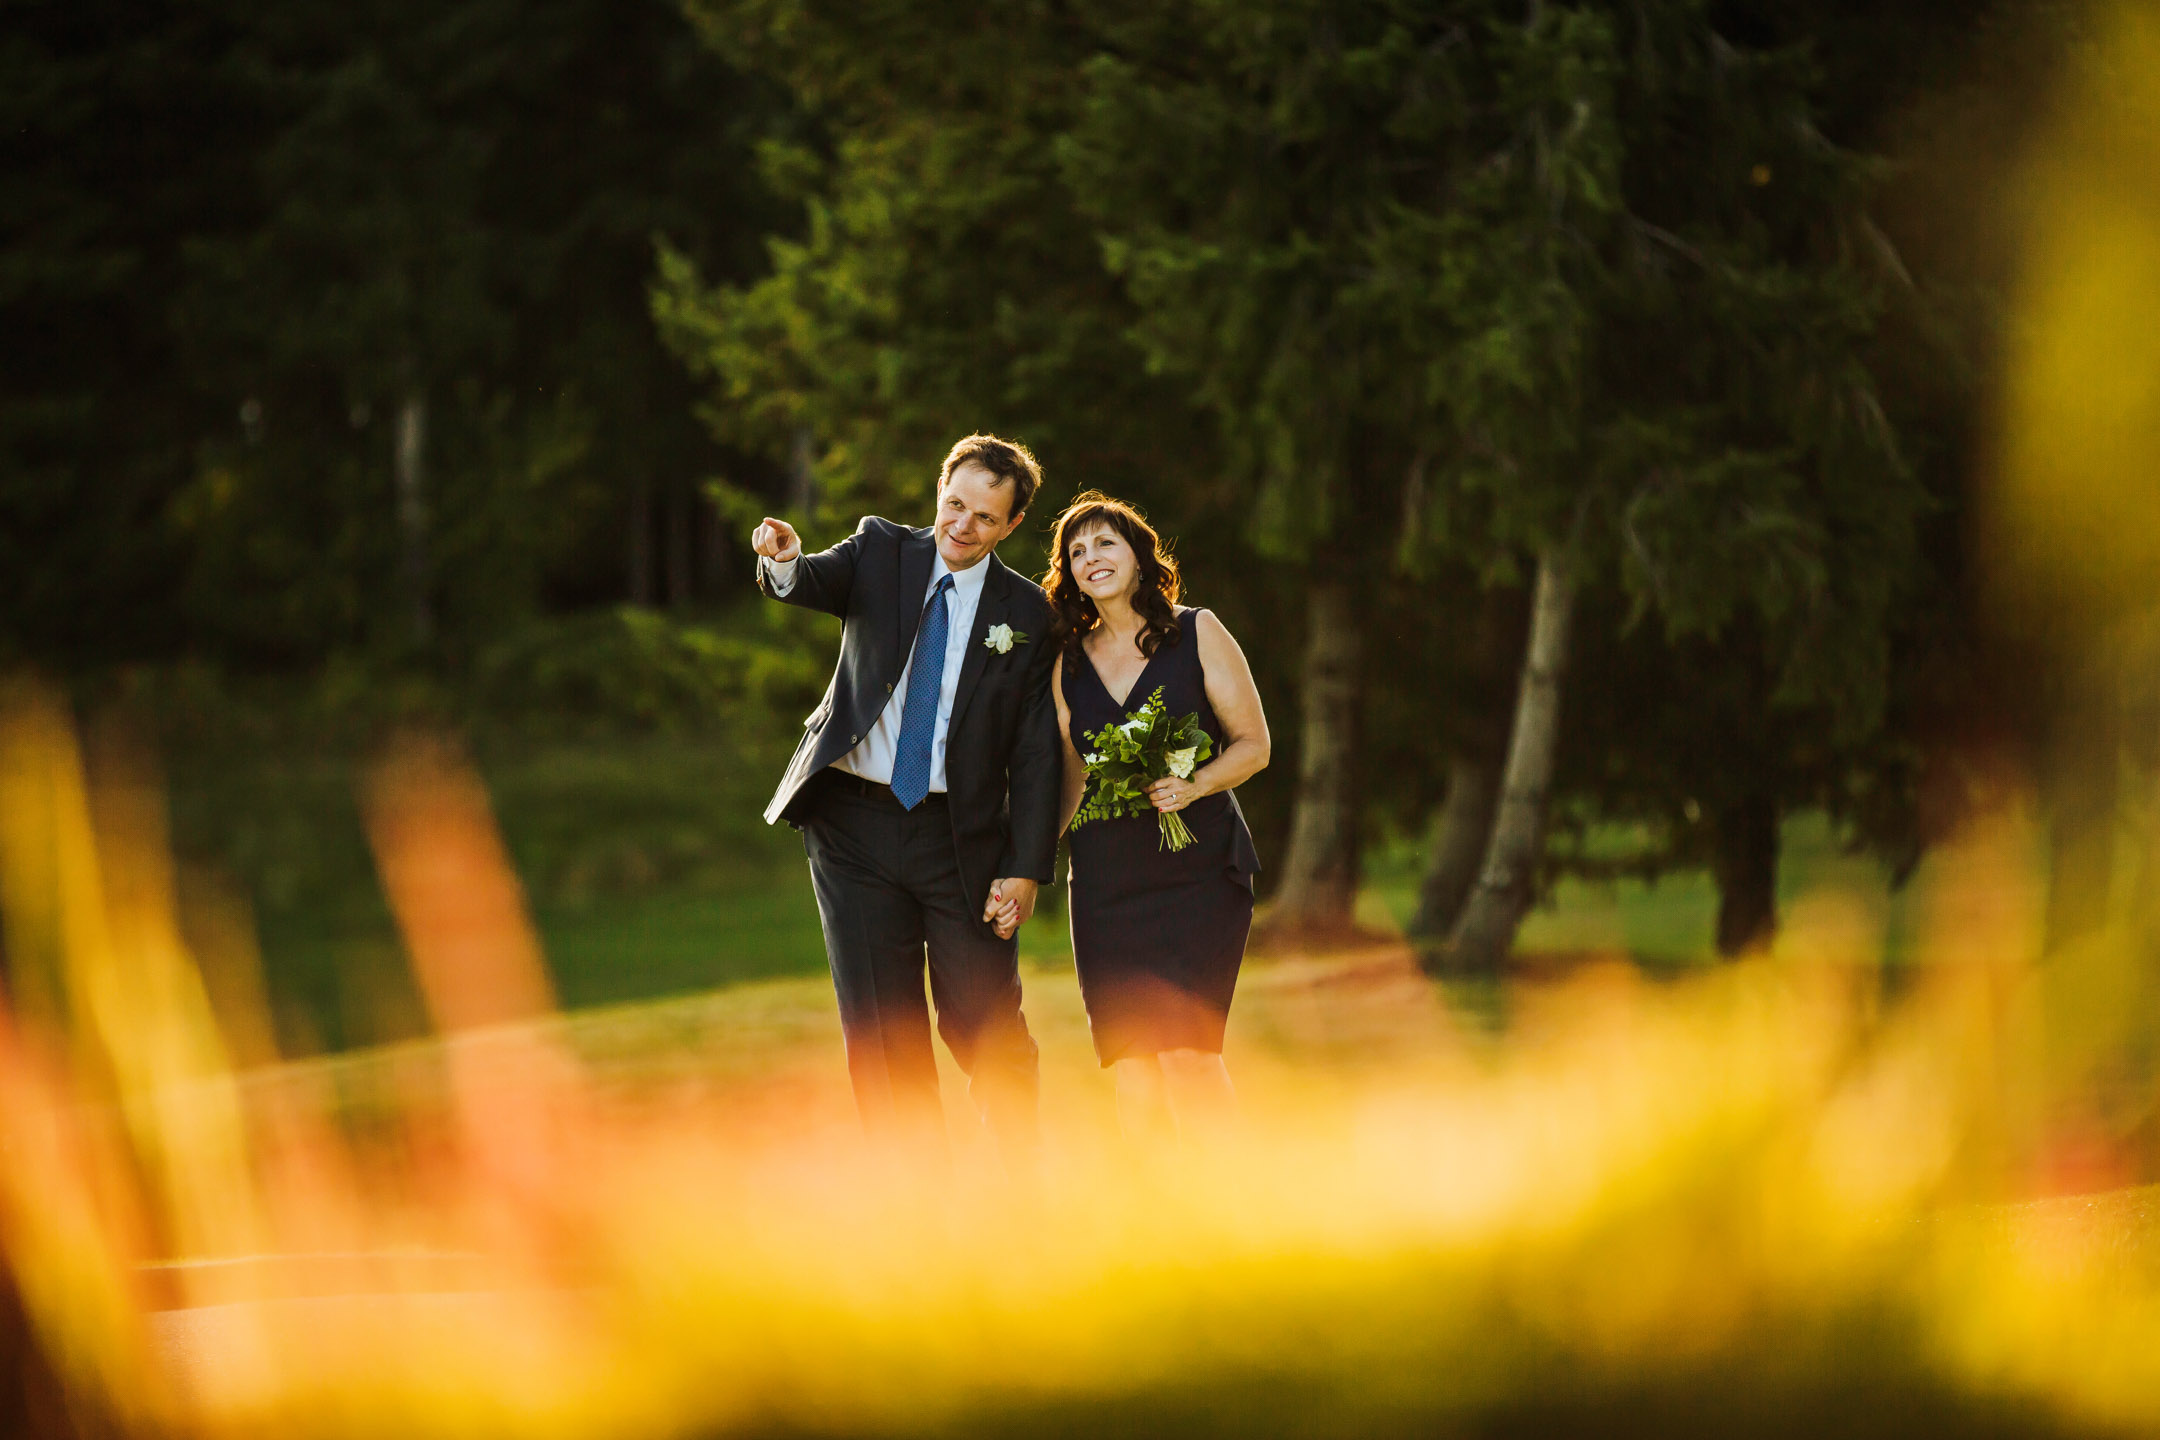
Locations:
(1002, 638)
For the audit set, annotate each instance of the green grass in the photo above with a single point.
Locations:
(651, 872)
(649, 868)
(633, 946)
(633, 900)
(1669, 921)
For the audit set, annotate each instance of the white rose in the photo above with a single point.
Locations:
(999, 638)
(1181, 762)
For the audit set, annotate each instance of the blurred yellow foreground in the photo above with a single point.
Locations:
(1767, 1200)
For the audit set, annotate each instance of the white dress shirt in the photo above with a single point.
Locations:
(873, 758)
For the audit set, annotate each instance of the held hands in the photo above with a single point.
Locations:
(776, 540)
(1011, 902)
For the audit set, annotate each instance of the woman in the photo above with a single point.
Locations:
(1157, 934)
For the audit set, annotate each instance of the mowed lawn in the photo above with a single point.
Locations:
(1670, 921)
(650, 874)
(629, 947)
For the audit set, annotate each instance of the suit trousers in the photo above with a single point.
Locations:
(890, 897)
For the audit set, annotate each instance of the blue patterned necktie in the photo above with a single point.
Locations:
(918, 714)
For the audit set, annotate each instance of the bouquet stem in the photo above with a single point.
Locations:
(1175, 834)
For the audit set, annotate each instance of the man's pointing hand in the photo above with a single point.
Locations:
(776, 540)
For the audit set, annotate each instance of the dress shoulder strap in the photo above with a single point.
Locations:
(1186, 653)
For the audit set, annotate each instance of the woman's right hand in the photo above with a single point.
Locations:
(776, 540)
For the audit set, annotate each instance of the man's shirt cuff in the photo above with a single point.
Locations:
(780, 574)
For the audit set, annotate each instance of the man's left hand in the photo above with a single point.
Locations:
(1011, 902)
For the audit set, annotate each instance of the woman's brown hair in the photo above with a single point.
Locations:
(1156, 595)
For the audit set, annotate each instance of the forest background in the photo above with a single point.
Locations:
(386, 363)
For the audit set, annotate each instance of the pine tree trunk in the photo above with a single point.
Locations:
(1463, 827)
(715, 556)
(679, 575)
(1320, 874)
(412, 508)
(1507, 883)
(1460, 835)
(802, 476)
(641, 541)
(1745, 867)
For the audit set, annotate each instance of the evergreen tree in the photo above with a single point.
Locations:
(329, 325)
(1578, 298)
(1647, 302)
(1237, 161)
(948, 276)
(940, 280)
(442, 307)
(121, 135)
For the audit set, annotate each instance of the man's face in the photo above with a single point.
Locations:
(971, 517)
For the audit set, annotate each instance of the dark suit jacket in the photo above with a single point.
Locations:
(1002, 757)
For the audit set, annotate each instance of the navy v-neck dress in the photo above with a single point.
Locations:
(1157, 934)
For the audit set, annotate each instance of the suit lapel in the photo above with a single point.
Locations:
(993, 609)
(916, 554)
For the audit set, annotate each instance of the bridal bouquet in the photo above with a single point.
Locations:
(1124, 759)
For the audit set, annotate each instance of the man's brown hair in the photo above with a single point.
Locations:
(1006, 459)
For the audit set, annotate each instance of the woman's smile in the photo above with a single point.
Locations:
(1102, 563)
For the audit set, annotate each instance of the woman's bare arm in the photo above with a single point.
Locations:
(1243, 748)
(1075, 772)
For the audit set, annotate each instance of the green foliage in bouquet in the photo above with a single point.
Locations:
(1124, 759)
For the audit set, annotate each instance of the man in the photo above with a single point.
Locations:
(926, 787)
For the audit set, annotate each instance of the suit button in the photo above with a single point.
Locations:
(888, 688)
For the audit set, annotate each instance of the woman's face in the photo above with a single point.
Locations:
(1103, 565)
